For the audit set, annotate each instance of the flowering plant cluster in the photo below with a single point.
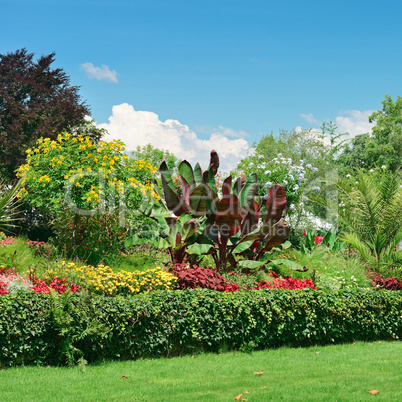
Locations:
(12, 282)
(42, 248)
(286, 283)
(7, 240)
(386, 283)
(93, 172)
(102, 280)
(191, 277)
(280, 170)
(59, 285)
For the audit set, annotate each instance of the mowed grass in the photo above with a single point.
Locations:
(331, 373)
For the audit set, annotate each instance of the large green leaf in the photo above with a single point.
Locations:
(197, 174)
(165, 173)
(173, 200)
(201, 248)
(241, 247)
(186, 171)
(250, 264)
(199, 200)
(248, 191)
(289, 264)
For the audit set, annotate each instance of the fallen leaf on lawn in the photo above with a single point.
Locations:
(263, 387)
(374, 391)
(258, 373)
(318, 353)
(192, 356)
(238, 397)
(245, 391)
(124, 376)
(244, 399)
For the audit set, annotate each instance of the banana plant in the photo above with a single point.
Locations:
(182, 218)
(243, 224)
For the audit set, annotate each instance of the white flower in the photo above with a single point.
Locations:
(268, 184)
(357, 182)
(296, 187)
(348, 175)
(315, 169)
(383, 167)
(284, 182)
(301, 204)
(267, 172)
(277, 162)
(304, 198)
(292, 206)
(279, 154)
(371, 170)
(308, 166)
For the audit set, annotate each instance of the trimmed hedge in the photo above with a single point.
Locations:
(59, 329)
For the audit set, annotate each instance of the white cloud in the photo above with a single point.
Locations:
(309, 117)
(99, 73)
(140, 128)
(354, 122)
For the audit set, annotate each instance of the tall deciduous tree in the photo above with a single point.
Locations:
(36, 100)
(381, 148)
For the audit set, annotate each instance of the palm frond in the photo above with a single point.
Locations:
(9, 203)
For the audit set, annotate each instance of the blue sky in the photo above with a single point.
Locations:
(216, 72)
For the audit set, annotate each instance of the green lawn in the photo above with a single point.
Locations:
(338, 373)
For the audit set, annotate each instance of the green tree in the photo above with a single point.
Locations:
(381, 148)
(155, 156)
(36, 101)
(388, 132)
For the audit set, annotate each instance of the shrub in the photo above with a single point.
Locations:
(76, 180)
(48, 327)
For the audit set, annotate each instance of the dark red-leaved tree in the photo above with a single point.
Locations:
(35, 101)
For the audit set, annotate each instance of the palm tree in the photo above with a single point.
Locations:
(373, 216)
(9, 203)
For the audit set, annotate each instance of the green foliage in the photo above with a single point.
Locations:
(198, 223)
(371, 207)
(156, 156)
(9, 203)
(86, 180)
(313, 238)
(99, 237)
(381, 148)
(169, 323)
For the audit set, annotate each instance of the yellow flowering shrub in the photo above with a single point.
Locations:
(102, 280)
(91, 188)
(77, 171)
